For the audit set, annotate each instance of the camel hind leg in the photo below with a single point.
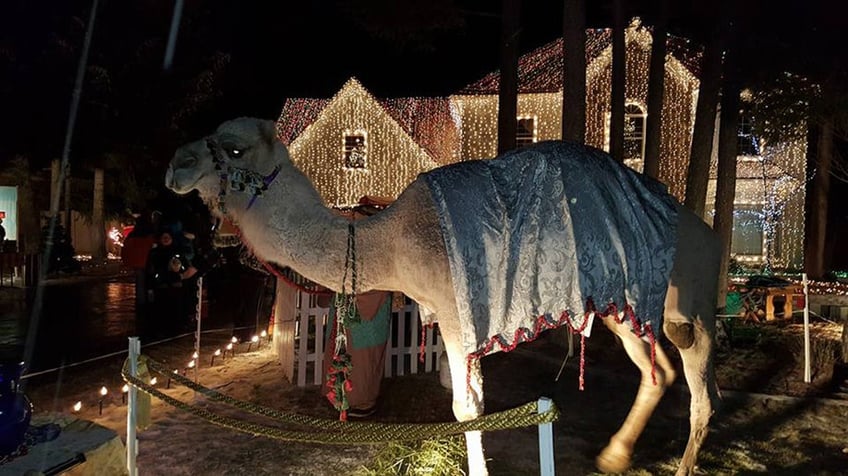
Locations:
(700, 377)
(697, 354)
(690, 324)
(615, 457)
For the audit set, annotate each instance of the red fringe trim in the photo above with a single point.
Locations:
(541, 324)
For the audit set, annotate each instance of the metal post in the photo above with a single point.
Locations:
(197, 318)
(546, 441)
(807, 372)
(132, 443)
(172, 36)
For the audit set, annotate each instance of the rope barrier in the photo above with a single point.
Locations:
(124, 351)
(334, 431)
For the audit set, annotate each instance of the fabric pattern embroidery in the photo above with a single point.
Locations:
(545, 230)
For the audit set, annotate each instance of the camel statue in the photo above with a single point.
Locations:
(243, 171)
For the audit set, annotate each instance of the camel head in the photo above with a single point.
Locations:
(244, 146)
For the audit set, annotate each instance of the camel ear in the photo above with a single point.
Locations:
(268, 129)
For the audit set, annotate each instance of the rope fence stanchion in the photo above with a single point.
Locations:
(197, 310)
(329, 431)
(546, 441)
(807, 367)
(132, 442)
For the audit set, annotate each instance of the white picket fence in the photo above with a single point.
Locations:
(403, 349)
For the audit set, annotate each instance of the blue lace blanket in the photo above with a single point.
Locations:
(547, 229)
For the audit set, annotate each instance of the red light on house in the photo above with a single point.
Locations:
(2, 214)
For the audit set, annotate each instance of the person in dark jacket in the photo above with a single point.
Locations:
(168, 268)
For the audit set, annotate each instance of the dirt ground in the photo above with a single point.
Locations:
(786, 427)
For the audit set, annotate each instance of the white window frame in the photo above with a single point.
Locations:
(347, 150)
(521, 141)
(745, 125)
(635, 164)
(753, 208)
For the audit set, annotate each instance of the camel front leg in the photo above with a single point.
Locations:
(468, 404)
(615, 457)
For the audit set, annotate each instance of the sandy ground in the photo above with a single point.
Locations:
(753, 433)
(770, 422)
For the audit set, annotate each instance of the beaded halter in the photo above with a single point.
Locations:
(237, 178)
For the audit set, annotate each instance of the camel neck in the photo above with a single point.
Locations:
(292, 227)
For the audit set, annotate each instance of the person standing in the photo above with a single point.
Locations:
(366, 346)
(134, 254)
(167, 269)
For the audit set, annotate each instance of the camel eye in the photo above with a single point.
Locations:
(233, 151)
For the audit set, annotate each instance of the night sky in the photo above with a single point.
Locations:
(260, 53)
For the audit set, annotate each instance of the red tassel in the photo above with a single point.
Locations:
(422, 346)
(343, 415)
(651, 338)
(582, 360)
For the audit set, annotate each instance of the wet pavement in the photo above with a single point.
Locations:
(93, 313)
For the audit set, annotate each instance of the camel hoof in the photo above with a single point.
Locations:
(612, 461)
(681, 334)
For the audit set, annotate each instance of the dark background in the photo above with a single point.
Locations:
(245, 58)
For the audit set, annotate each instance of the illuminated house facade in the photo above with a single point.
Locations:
(400, 138)
(354, 145)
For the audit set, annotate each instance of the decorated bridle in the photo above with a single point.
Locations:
(237, 178)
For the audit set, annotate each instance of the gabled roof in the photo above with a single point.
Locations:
(297, 115)
(540, 71)
(430, 122)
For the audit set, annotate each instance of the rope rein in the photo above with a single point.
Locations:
(338, 374)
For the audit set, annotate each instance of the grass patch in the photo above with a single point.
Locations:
(427, 457)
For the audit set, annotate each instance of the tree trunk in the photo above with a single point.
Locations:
(97, 223)
(508, 97)
(29, 226)
(704, 128)
(656, 87)
(617, 90)
(68, 221)
(817, 228)
(574, 71)
(726, 179)
(55, 188)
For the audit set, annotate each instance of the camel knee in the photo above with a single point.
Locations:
(681, 334)
(464, 412)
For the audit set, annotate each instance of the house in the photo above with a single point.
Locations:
(354, 145)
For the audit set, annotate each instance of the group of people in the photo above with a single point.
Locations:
(163, 257)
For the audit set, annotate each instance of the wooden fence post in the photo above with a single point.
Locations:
(284, 327)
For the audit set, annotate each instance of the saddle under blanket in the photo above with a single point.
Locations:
(552, 228)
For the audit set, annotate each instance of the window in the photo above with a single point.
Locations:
(355, 149)
(634, 132)
(746, 143)
(526, 132)
(747, 231)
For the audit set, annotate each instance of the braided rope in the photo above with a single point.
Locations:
(334, 431)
